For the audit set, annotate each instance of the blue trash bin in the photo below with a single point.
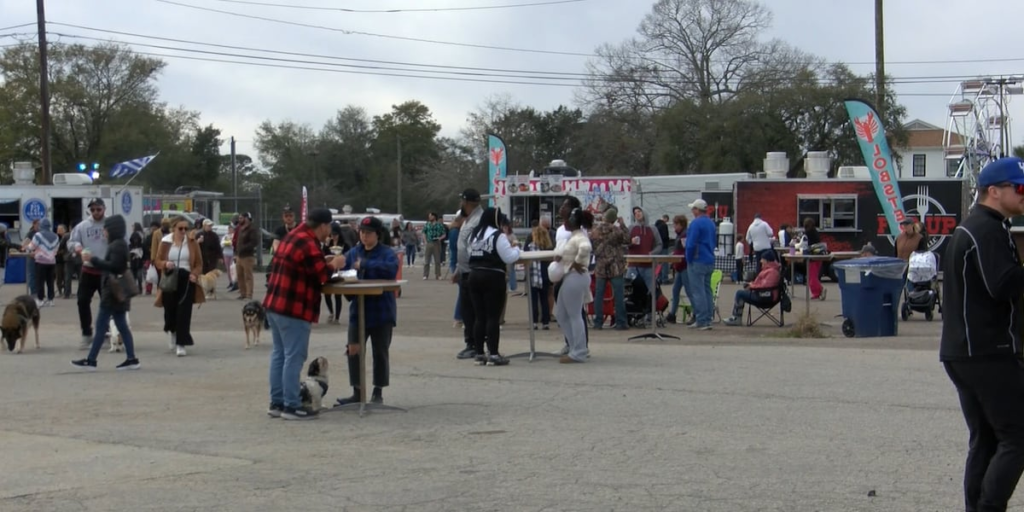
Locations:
(871, 289)
(16, 270)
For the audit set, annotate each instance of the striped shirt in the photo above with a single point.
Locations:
(45, 248)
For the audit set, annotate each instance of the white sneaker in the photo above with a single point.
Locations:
(180, 351)
(40, 303)
(172, 341)
(47, 303)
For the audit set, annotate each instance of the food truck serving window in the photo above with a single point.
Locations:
(830, 212)
(526, 209)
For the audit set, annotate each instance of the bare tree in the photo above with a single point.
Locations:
(701, 50)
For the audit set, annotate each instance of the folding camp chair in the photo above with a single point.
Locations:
(766, 309)
(716, 285)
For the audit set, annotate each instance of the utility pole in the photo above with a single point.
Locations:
(399, 175)
(44, 93)
(234, 174)
(879, 60)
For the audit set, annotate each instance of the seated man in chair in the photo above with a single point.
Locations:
(763, 291)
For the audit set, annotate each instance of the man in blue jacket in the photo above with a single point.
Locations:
(700, 260)
(372, 260)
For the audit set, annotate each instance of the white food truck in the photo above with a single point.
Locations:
(526, 198)
(65, 202)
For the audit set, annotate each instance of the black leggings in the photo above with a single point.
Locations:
(333, 305)
(178, 309)
(45, 275)
(487, 291)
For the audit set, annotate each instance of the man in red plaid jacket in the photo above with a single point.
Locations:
(297, 276)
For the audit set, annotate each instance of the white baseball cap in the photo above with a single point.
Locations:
(699, 204)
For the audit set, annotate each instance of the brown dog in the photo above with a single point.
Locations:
(16, 319)
(208, 282)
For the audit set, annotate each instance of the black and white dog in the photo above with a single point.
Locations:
(314, 386)
(253, 318)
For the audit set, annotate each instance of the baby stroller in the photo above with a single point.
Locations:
(922, 294)
(638, 302)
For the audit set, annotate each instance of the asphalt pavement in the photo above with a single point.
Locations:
(735, 419)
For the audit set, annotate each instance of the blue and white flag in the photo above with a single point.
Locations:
(131, 167)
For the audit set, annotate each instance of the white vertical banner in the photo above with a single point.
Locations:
(305, 204)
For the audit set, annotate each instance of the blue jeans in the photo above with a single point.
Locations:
(663, 273)
(30, 274)
(619, 296)
(744, 297)
(291, 346)
(682, 283)
(699, 275)
(410, 255)
(103, 317)
(513, 283)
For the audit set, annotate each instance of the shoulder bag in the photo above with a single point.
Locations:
(169, 279)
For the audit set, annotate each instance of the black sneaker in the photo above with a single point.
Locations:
(354, 399)
(377, 397)
(467, 353)
(481, 360)
(84, 364)
(129, 364)
(670, 318)
(275, 410)
(497, 360)
(300, 414)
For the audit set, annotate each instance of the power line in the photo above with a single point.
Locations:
(19, 26)
(296, 61)
(398, 63)
(462, 70)
(313, 55)
(435, 9)
(306, 68)
(372, 34)
(398, 75)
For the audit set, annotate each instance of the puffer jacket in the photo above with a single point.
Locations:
(113, 263)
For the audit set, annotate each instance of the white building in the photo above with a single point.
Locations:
(923, 155)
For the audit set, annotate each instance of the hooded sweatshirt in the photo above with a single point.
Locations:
(88, 234)
(115, 259)
(650, 240)
(45, 244)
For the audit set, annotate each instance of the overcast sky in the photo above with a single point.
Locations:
(236, 98)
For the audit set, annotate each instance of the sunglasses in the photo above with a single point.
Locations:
(181, 228)
(1018, 188)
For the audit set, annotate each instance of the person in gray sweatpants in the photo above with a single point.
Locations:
(575, 289)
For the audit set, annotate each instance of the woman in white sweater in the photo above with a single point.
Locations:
(574, 257)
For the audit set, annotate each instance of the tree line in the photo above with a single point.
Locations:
(697, 90)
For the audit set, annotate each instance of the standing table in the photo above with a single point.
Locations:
(361, 289)
(806, 258)
(654, 260)
(528, 257)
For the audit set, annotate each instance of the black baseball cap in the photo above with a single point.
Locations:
(247, 215)
(471, 195)
(319, 215)
(371, 224)
(906, 221)
(286, 209)
(97, 201)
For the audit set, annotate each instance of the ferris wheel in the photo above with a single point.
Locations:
(978, 128)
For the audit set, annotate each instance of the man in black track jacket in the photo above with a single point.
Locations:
(983, 287)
